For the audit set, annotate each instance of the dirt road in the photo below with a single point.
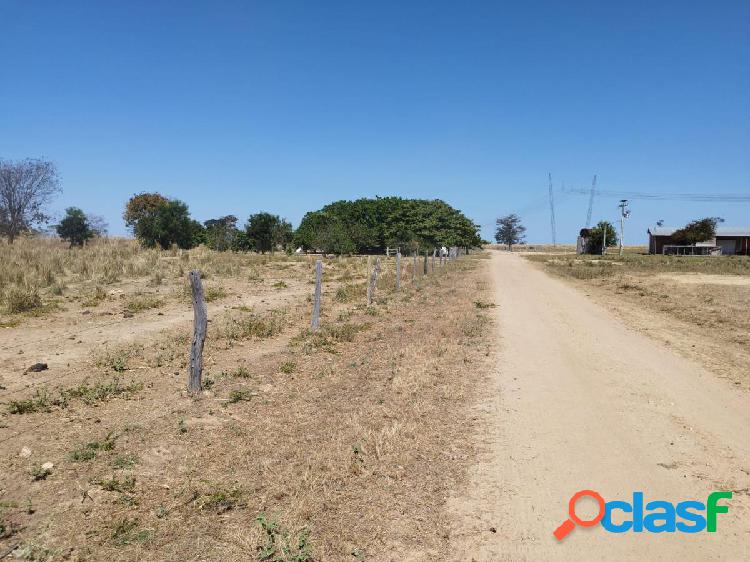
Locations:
(579, 401)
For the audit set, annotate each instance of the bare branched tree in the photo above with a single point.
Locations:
(98, 224)
(26, 187)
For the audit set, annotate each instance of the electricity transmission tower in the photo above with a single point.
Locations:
(591, 202)
(552, 212)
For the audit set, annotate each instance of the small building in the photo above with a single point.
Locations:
(730, 241)
(582, 242)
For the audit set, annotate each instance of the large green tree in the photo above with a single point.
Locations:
(510, 231)
(221, 233)
(75, 227)
(371, 225)
(696, 231)
(158, 221)
(142, 206)
(596, 237)
(266, 232)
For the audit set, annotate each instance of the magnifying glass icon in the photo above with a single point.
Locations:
(569, 524)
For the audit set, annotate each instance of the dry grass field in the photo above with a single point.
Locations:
(338, 445)
(697, 305)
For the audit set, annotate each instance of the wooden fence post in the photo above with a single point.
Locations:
(398, 270)
(369, 281)
(424, 266)
(199, 333)
(373, 281)
(316, 303)
(414, 267)
(432, 263)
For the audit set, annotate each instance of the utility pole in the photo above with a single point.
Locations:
(624, 213)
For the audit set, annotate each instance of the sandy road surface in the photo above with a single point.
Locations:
(579, 401)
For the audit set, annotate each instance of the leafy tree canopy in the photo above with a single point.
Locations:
(697, 231)
(596, 237)
(266, 232)
(143, 205)
(371, 225)
(156, 220)
(221, 233)
(510, 231)
(75, 227)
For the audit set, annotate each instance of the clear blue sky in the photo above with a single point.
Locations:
(241, 106)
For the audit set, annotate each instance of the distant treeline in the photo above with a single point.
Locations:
(343, 227)
(361, 226)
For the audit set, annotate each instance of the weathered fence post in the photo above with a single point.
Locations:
(199, 332)
(316, 303)
(432, 264)
(414, 267)
(398, 270)
(424, 266)
(369, 281)
(373, 281)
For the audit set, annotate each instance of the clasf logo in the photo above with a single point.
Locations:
(654, 517)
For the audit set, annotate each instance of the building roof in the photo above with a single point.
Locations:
(720, 231)
(733, 231)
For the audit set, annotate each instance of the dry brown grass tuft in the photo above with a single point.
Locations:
(22, 299)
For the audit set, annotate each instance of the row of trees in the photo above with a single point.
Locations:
(158, 221)
(361, 226)
(365, 225)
